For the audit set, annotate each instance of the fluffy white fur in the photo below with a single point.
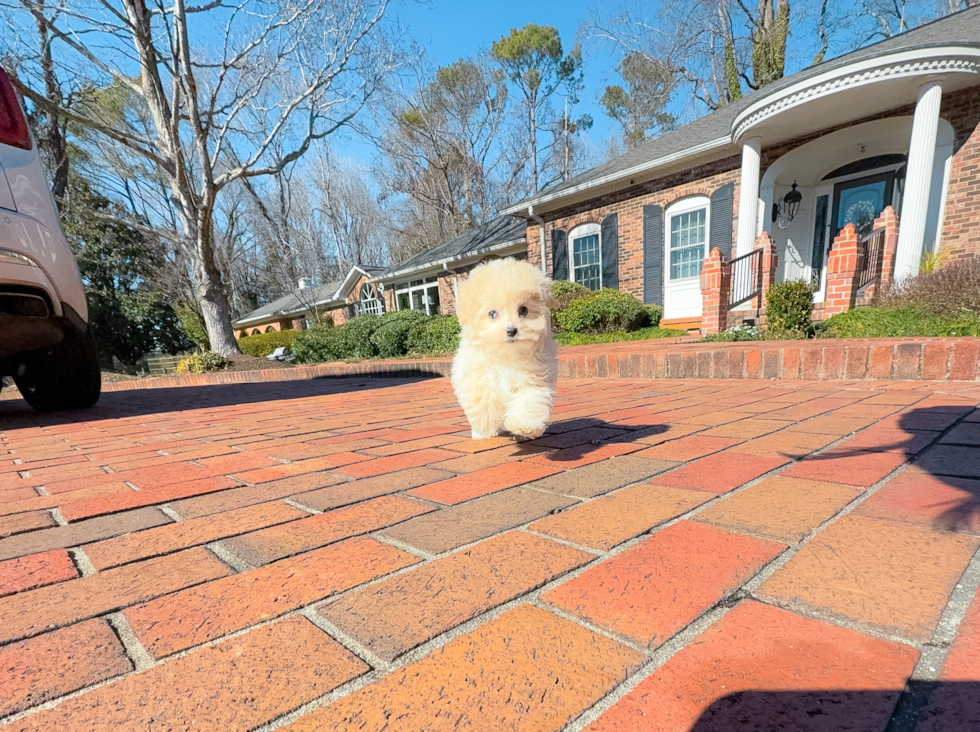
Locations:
(506, 369)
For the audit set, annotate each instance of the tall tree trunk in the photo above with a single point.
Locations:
(534, 142)
(51, 131)
(769, 42)
(211, 291)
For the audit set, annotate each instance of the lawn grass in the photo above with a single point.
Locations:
(901, 322)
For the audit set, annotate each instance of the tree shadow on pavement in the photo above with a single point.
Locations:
(950, 489)
(16, 413)
(924, 707)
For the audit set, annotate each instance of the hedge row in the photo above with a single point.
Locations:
(393, 334)
(262, 344)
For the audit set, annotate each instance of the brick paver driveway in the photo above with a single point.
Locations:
(334, 555)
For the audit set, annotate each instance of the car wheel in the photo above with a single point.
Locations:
(66, 376)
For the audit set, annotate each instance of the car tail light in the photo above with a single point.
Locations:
(13, 126)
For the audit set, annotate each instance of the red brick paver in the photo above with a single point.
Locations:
(673, 554)
(774, 669)
(654, 589)
(188, 618)
(35, 570)
(535, 670)
(400, 613)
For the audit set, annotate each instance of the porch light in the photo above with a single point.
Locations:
(786, 208)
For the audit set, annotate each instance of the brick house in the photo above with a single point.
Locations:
(341, 300)
(428, 280)
(806, 178)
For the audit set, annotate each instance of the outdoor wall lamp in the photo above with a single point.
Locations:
(785, 209)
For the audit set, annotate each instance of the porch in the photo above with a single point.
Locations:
(734, 291)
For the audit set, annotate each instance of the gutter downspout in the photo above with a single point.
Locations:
(540, 222)
(445, 268)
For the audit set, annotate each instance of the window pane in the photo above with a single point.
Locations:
(587, 261)
(433, 295)
(417, 303)
(403, 302)
(688, 234)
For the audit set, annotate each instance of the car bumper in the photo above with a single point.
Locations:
(52, 269)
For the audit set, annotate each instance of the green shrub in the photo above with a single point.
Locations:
(738, 333)
(438, 334)
(561, 288)
(317, 345)
(263, 344)
(654, 314)
(565, 292)
(789, 309)
(193, 325)
(607, 311)
(902, 322)
(390, 338)
(583, 339)
(201, 363)
(355, 337)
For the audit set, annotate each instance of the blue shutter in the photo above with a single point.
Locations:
(653, 255)
(610, 251)
(559, 255)
(721, 220)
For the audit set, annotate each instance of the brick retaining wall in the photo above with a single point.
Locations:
(886, 359)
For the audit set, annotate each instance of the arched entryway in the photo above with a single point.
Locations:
(846, 176)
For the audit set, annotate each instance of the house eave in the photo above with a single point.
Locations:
(282, 314)
(953, 65)
(696, 151)
(450, 262)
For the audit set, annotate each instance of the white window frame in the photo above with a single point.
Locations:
(686, 205)
(580, 232)
(427, 283)
(371, 305)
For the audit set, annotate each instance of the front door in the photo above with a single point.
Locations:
(858, 201)
(861, 201)
(686, 246)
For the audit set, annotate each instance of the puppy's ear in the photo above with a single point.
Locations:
(467, 299)
(544, 288)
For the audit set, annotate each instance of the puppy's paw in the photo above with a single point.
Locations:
(481, 436)
(525, 429)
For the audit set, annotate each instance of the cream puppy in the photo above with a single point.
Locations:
(506, 368)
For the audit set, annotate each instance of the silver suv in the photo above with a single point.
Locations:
(45, 343)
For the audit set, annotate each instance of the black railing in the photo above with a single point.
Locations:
(746, 277)
(873, 246)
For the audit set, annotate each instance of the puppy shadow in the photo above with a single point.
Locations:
(576, 438)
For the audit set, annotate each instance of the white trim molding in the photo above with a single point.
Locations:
(439, 265)
(693, 151)
(903, 65)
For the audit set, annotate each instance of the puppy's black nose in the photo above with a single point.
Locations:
(511, 331)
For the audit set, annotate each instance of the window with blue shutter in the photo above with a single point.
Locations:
(610, 251)
(653, 255)
(721, 220)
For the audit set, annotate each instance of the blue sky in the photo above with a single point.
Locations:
(449, 31)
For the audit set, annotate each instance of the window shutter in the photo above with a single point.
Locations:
(610, 251)
(721, 220)
(653, 255)
(559, 255)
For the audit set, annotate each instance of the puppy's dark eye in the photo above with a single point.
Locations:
(492, 315)
(522, 310)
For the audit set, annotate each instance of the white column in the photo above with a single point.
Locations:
(748, 195)
(918, 179)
